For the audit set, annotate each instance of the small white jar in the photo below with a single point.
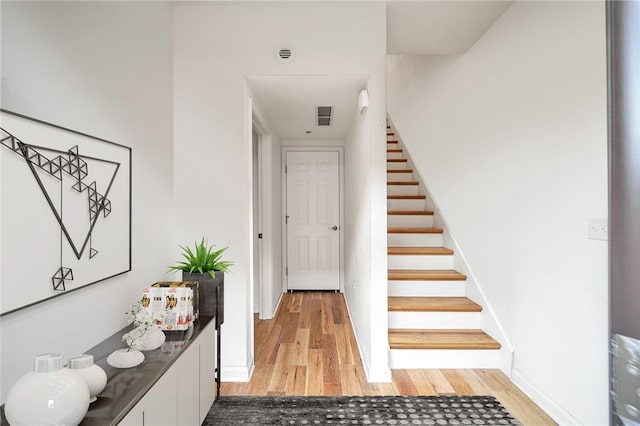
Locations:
(92, 374)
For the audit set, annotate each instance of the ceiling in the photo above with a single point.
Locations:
(421, 27)
(439, 27)
(289, 103)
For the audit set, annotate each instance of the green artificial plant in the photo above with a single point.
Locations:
(202, 259)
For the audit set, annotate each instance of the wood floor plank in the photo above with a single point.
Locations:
(315, 373)
(333, 389)
(457, 382)
(326, 313)
(295, 302)
(343, 344)
(269, 346)
(304, 320)
(289, 324)
(281, 369)
(330, 359)
(315, 327)
(349, 380)
(439, 382)
(403, 383)
(260, 379)
(301, 347)
(296, 378)
(421, 382)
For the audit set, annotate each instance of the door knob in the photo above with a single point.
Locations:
(333, 228)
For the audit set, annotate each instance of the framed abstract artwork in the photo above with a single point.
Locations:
(65, 211)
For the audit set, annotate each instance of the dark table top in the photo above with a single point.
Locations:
(125, 387)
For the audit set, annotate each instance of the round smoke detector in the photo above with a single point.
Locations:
(284, 55)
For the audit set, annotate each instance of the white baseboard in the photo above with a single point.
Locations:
(557, 413)
(236, 374)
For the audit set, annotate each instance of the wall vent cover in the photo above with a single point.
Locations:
(324, 115)
(285, 55)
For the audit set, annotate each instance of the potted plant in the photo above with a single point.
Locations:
(205, 265)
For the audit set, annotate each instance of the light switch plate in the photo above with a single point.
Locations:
(598, 229)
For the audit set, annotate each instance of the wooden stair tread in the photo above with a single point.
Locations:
(396, 150)
(433, 304)
(410, 212)
(413, 230)
(397, 160)
(425, 275)
(419, 251)
(392, 141)
(406, 197)
(403, 182)
(399, 171)
(441, 339)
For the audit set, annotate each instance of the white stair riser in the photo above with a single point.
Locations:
(394, 155)
(444, 358)
(406, 204)
(402, 189)
(427, 288)
(393, 165)
(436, 320)
(396, 261)
(410, 220)
(414, 240)
(402, 177)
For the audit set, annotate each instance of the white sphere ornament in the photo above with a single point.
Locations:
(152, 339)
(125, 358)
(93, 375)
(48, 395)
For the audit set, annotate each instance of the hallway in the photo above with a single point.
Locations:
(309, 349)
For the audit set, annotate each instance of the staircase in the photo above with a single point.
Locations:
(432, 324)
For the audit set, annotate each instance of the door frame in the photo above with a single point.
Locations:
(340, 151)
(258, 123)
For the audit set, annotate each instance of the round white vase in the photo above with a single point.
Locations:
(153, 339)
(48, 395)
(125, 358)
(93, 375)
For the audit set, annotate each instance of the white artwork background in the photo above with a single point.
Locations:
(33, 246)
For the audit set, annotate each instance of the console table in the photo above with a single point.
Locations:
(175, 385)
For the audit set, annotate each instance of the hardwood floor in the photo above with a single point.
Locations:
(309, 349)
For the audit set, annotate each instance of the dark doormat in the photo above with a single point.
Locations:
(359, 410)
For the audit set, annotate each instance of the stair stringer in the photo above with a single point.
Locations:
(490, 322)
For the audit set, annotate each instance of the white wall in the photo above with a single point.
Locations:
(102, 69)
(364, 287)
(216, 46)
(511, 138)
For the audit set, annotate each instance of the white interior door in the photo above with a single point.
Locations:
(313, 212)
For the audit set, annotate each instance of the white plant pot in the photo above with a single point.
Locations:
(153, 339)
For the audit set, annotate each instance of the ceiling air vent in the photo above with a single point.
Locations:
(324, 115)
(285, 55)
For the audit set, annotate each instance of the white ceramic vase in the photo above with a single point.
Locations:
(125, 358)
(152, 339)
(48, 395)
(93, 375)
